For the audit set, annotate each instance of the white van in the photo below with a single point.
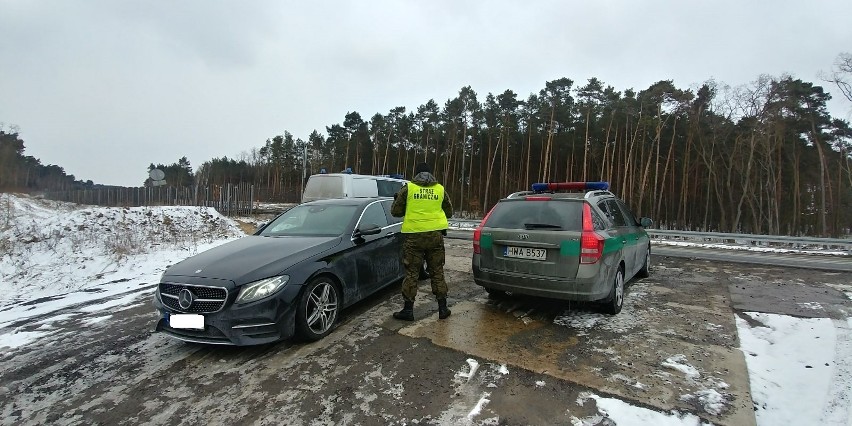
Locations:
(349, 185)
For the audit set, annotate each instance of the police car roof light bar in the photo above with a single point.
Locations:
(570, 186)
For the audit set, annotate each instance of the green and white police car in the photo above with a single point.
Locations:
(567, 240)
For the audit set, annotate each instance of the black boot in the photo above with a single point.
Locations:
(407, 312)
(443, 312)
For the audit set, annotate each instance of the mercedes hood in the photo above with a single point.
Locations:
(251, 258)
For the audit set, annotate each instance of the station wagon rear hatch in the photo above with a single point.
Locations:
(533, 236)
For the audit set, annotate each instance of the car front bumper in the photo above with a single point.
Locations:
(264, 321)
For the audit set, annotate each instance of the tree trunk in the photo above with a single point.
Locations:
(745, 182)
(822, 185)
(485, 206)
(586, 144)
(548, 147)
(666, 170)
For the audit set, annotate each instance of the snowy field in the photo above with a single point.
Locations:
(58, 255)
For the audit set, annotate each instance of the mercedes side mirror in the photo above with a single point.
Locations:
(367, 229)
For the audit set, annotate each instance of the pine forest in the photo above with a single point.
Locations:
(762, 158)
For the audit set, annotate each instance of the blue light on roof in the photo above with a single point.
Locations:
(597, 186)
(575, 186)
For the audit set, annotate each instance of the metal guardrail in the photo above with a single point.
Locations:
(749, 240)
(752, 240)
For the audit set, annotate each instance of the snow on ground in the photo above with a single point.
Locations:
(56, 255)
(621, 412)
(798, 368)
(752, 248)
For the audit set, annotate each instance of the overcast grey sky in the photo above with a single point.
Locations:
(105, 87)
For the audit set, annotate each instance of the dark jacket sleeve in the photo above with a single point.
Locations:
(399, 202)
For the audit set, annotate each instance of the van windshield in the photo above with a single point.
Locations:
(321, 187)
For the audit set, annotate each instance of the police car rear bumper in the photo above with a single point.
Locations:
(578, 289)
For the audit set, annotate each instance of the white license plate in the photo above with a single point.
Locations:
(525, 253)
(194, 321)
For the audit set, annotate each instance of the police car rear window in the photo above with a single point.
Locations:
(522, 214)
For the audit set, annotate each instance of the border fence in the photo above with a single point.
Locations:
(229, 199)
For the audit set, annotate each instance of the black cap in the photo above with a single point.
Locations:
(422, 167)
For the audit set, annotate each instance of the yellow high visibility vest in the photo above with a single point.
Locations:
(423, 209)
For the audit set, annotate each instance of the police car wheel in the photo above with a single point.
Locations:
(616, 297)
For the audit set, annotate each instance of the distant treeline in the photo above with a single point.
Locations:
(764, 158)
(19, 172)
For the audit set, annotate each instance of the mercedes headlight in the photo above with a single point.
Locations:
(260, 289)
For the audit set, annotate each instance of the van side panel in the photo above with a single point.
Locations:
(363, 187)
(339, 185)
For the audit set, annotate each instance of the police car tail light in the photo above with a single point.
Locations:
(477, 233)
(537, 198)
(570, 186)
(591, 244)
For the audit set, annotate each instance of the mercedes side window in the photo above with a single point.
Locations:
(374, 214)
(391, 218)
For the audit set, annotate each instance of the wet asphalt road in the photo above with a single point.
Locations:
(537, 360)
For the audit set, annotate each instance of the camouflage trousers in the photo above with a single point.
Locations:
(416, 248)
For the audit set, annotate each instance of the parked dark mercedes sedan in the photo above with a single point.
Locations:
(292, 277)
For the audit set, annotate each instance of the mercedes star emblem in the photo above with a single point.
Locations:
(185, 299)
